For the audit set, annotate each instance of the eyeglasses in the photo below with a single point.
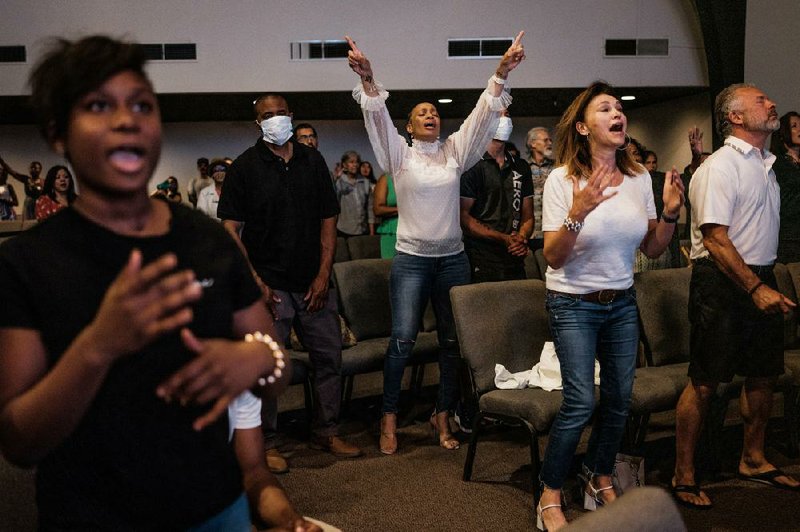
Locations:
(220, 169)
(306, 137)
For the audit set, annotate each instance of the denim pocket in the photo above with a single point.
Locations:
(556, 302)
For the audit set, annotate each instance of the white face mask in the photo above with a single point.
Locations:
(277, 130)
(504, 129)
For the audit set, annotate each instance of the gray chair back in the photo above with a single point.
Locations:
(663, 300)
(342, 253)
(500, 323)
(363, 289)
(364, 247)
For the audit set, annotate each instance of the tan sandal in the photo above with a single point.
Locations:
(444, 437)
(388, 438)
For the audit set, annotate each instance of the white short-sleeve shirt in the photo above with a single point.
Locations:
(736, 187)
(244, 412)
(603, 255)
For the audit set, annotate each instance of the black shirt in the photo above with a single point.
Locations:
(788, 175)
(282, 206)
(494, 191)
(134, 462)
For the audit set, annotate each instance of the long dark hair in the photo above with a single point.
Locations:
(50, 181)
(572, 148)
(783, 136)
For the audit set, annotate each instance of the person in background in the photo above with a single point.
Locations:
(497, 211)
(540, 159)
(598, 209)
(33, 186)
(168, 191)
(279, 206)
(305, 133)
(58, 192)
(123, 339)
(698, 157)
(650, 161)
(384, 205)
(208, 199)
(430, 255)
(354, 193)
(735, 308)
(269, 505)
(8, 198)
(365, 169)
(785, 145)
(200, 182)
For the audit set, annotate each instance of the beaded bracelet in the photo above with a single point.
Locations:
(573, 225)
(756, 287)
(277, 354)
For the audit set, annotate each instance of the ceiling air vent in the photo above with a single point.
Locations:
(318, 50)
(477, 48)
(153, 52)
(180, 52)
(637, 47)
(12, 54)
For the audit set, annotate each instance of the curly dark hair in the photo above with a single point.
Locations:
(69, 70)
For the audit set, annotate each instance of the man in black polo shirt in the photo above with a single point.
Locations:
(278, 203)
(497, 211)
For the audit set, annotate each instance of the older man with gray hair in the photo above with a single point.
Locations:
(735, 308)
(540, 159)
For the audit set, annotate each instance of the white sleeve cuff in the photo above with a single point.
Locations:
(367, 102)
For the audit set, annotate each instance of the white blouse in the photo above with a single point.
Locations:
(427, 174)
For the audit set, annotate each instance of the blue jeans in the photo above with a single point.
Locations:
(581, 329)
(413, 281)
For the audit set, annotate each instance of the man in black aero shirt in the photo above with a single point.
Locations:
(497, 211)
(278, 196)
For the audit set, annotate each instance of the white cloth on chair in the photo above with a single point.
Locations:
(546, 374)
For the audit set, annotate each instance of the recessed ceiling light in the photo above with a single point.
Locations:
(629, 97)
(445, 100)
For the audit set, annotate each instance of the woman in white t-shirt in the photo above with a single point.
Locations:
(430, 254)
(598, 209)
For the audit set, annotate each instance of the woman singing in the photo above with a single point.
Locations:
(430, 254)
(598, 209)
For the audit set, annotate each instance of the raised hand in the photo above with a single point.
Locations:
(513, 56)
(358, 61)
(593, 194)
(673, 194)
(696, 141)
(143, 303)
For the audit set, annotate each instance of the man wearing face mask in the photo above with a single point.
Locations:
(278, 203)
(497, 211)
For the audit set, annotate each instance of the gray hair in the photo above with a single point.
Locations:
(726, 102)
(532, 135)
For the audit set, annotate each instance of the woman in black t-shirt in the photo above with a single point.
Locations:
(122, 325)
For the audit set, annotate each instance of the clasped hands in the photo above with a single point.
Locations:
(147, 301)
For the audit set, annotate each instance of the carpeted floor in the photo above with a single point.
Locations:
(420, 488)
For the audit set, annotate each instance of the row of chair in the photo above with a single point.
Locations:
(506, 323)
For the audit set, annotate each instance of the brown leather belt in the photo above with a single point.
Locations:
(602, 297)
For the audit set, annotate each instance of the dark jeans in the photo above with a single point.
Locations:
(413, 281)
(319, 332)
(581, 330)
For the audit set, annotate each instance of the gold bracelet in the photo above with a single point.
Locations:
(277, 354)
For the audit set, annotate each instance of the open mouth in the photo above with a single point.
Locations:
(616, 128)
(127, 159)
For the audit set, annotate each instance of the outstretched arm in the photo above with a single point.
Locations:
(22, 178)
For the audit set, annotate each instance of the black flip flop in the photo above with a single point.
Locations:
(693, 489)
(768, 478)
